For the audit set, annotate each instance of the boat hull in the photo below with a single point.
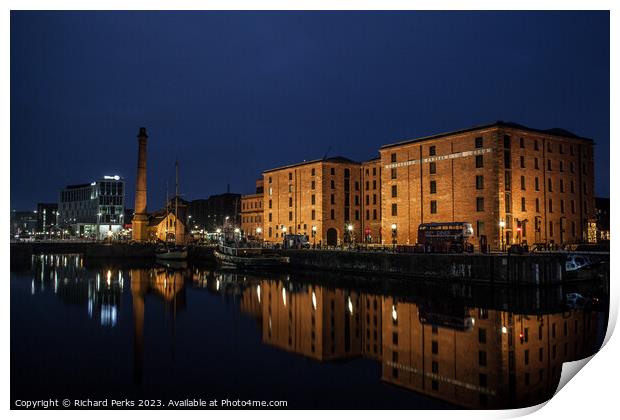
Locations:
(246, 262)
(174, 255)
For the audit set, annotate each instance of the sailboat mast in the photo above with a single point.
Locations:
(176, 203)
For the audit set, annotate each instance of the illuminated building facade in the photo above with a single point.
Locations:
(252, 213)
(47, 217)
(93, 210)
(514, 184)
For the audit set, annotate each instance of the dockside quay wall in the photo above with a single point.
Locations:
(487, 268)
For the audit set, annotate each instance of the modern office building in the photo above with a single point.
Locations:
(47, 217)
(602, 219)
(209, 214)
(93, 210)
(23, 223)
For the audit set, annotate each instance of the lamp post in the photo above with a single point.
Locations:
(350, 230)
(259, 230)
(502, 225)
(314, 235)
(98, 223)
(394, 235)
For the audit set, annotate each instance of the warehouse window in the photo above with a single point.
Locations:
(479, 161)
(550, 206)
(537, 206)
(394, 209)
(313, 215)
(433, 187)
(393, 175)
(290, 201)
(394, 191)
(478, 142)
(549, 185)
(432, 168)
(536, 184)
(313, 199)
(536, 163)
(522, 143)
(290, 215)
(432, 151)
(312, 185)
(479, 203)
(332, 214)
(433, 207)
(332, 171)
(313, 172)
(480, 228)
(522, 203)
(522, 161)
(479, 182)
(393, 157)
(522, 182)
(290, 176)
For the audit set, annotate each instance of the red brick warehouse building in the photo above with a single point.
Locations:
(513, 183)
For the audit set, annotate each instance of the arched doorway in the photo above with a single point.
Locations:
(332, 237)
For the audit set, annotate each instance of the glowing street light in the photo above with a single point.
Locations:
(394, 234)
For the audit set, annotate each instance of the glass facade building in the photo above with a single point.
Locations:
(93, 210)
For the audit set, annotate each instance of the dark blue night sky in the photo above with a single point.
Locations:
(232, 94)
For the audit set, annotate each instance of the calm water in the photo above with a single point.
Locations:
(314, 340)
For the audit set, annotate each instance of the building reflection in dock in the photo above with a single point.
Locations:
(475, 357)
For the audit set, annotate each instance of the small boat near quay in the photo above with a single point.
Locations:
(172, 253)
(247, 257)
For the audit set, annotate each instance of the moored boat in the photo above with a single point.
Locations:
(172, 253)
(240, 257)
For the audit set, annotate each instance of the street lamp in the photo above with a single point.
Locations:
(502, 225)
(283, 229)
(350, 230)
(259, 230)
(98, 223)
(314, 235)
(394, 234)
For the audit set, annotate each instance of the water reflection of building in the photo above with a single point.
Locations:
(491, 359)
(99, 291)
(166, 284)
(311, 320)
(475, 358)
